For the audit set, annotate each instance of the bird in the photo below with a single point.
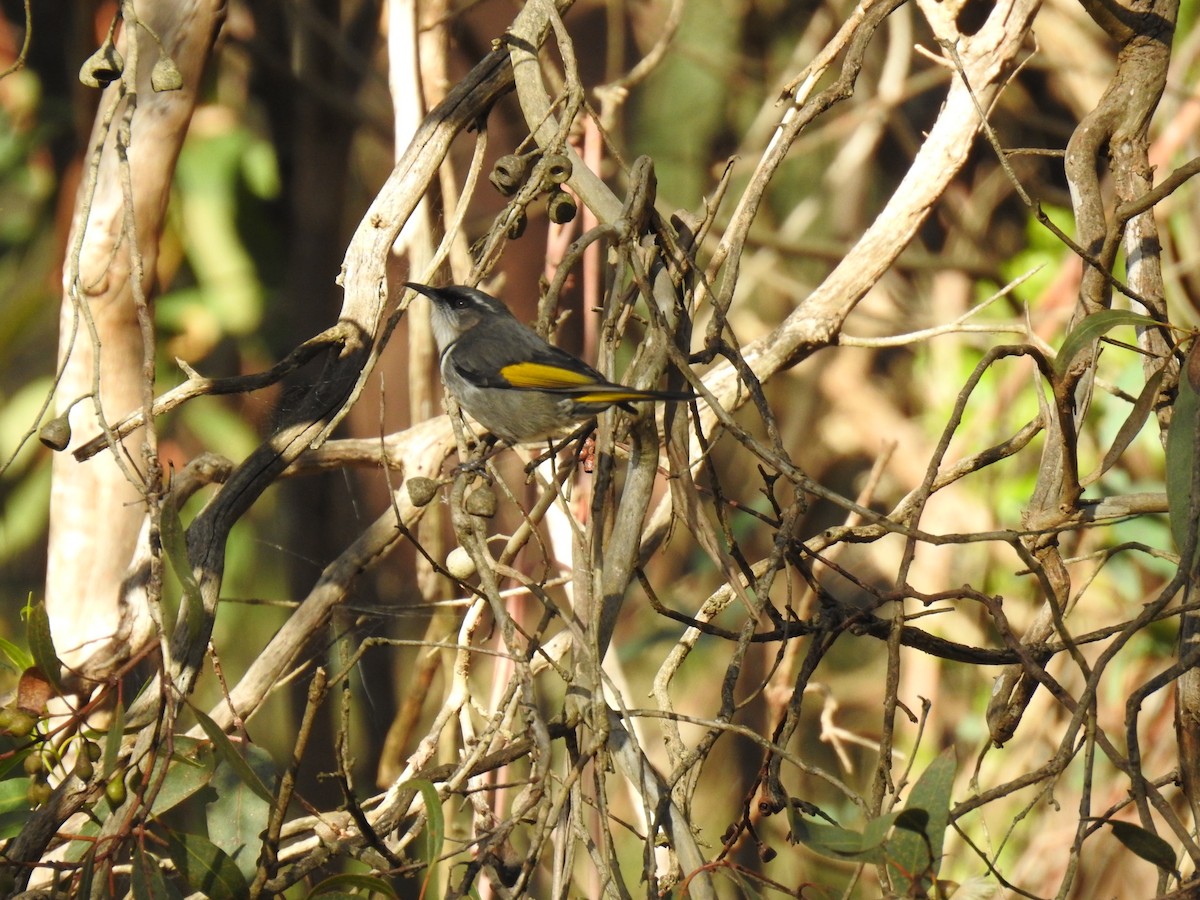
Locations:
(509, 379)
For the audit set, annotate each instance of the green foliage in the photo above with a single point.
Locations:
(147, 878)
(1146, 844)
(233, 757)
(205, 867)
(41, 643)
(1093, 328)
(909, 841)
(14, 805)
(15, 658)
(916, 847)
(237, 815)
(435, 828)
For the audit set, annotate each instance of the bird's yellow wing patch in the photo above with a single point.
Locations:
(608, 396)
(540, 376)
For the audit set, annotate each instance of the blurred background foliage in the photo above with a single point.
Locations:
(286, 151)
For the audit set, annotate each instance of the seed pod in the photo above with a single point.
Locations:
(165, 75)
(103, 66)
(516, 227)
(459, 564)
(560, 206)
(20, 724)
(38, 793)
(481, 502)
(84, 768)
(421, 491)
(34, 764)
(115, 790)
(508, 173)
(557, 168)
(56, 433)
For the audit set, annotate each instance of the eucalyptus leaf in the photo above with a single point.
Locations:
(112, 741)
(435, 826)
(41, 643)
(237, 816)
(230, 754)
(1092, 329)
(1146, 844)
(147, 879)
(835, 842)
(190, 769)
(206, 868)
(915, 848)
(1130, 428)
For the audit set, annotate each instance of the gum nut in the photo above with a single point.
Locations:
(561, 207)
(165, 76)
(421, 490)
(459, 564)
(115, 790)
(558, 168)
(102, 67)
(56, 433)
(481, 502)
(508, 173)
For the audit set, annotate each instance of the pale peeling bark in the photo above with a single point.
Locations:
(96, 512)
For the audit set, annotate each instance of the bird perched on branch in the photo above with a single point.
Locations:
(508, 378)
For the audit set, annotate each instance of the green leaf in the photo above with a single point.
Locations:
(915, 849)
(15, 762)
(1181, 441)
(237, 816)
(112, 742)
(17, 658)
(41, 643)
(191, 769)
(1092, 329)
(206, 867)
(435, 825)
(835, 842)
(1129, 428)
(86, 870)
(230, 754)
(1146, 844)
(877, 829)
(147, 878)
(341, 885)
(14, 806)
